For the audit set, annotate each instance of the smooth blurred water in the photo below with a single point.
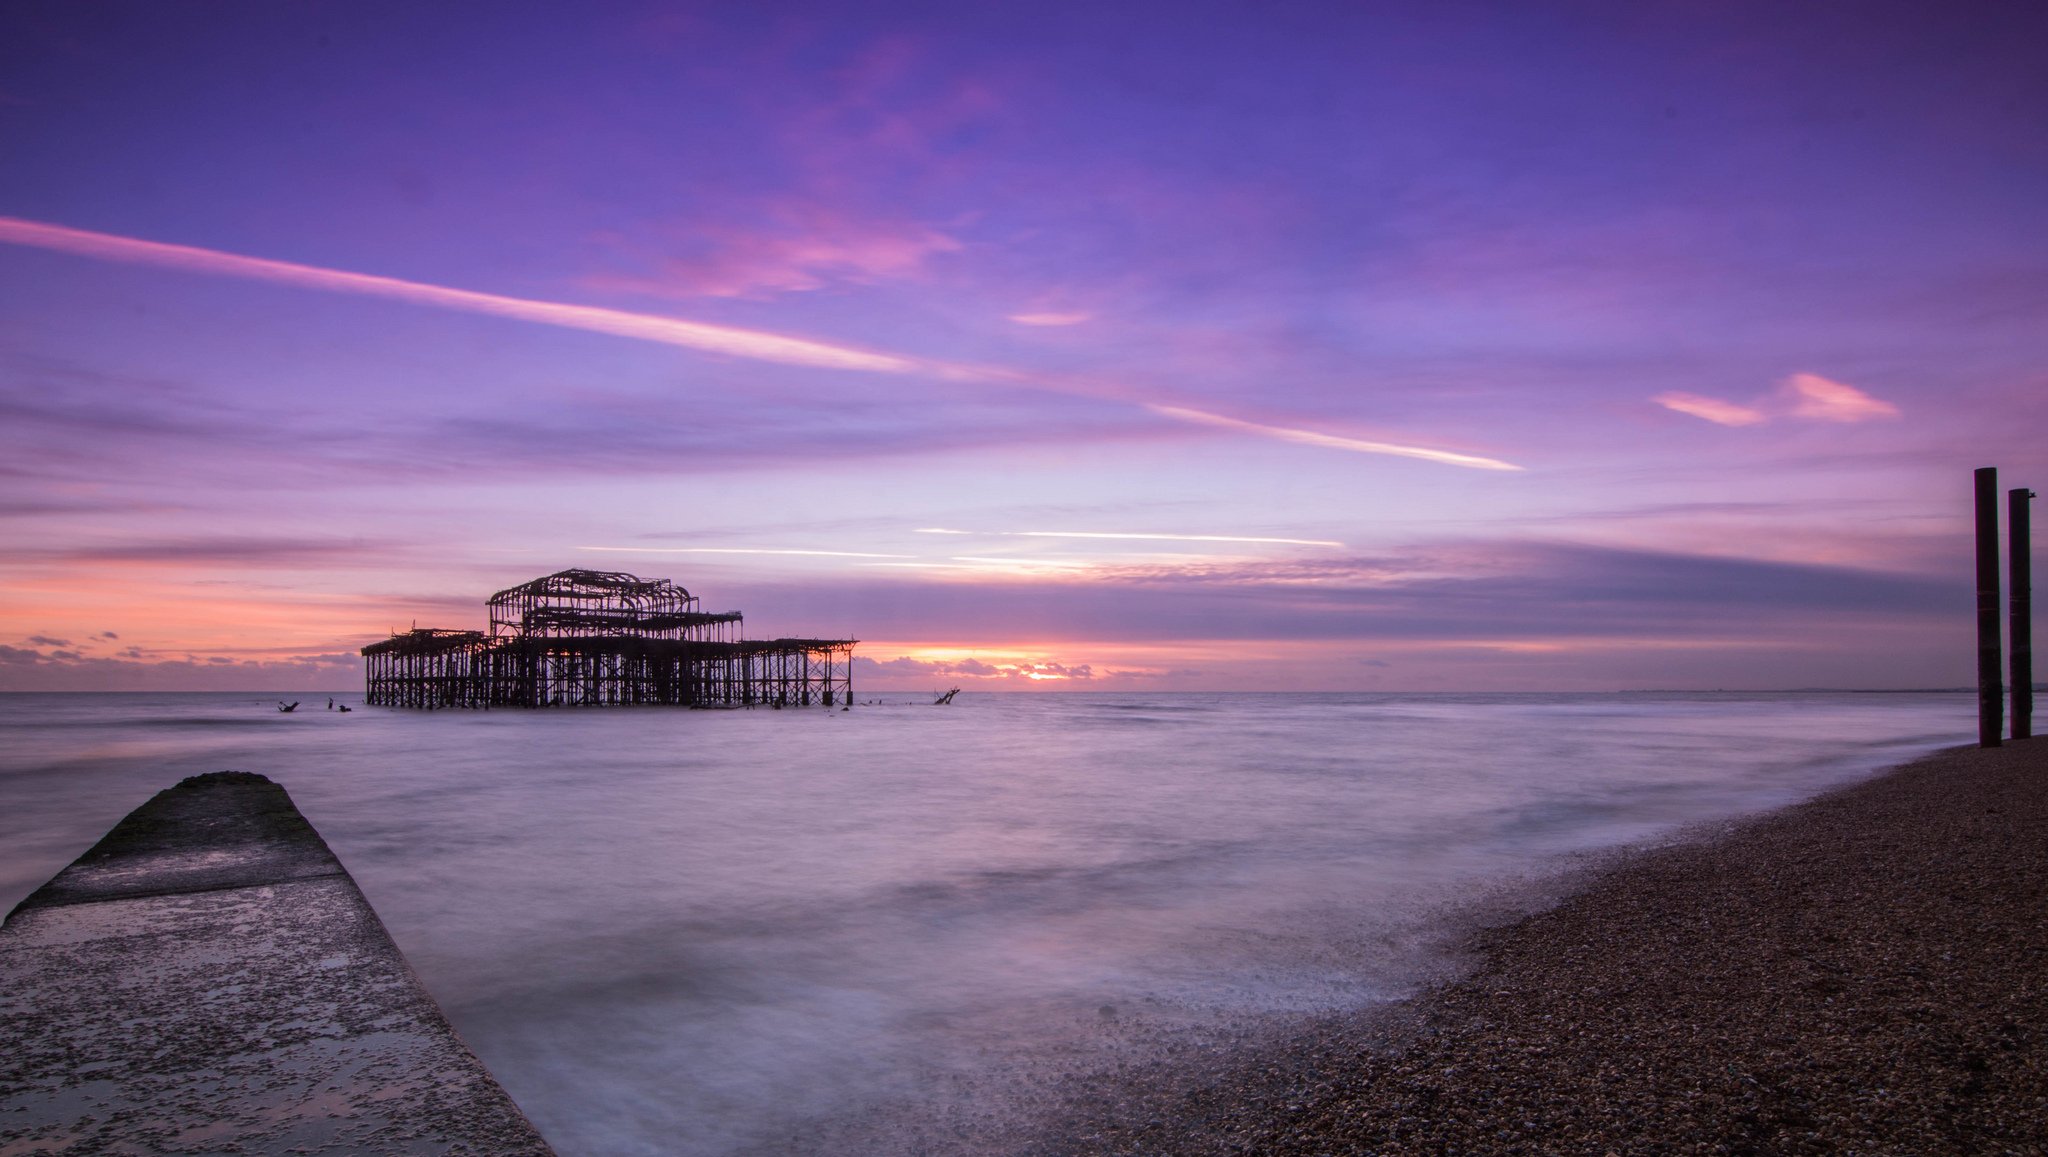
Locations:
(720, 932)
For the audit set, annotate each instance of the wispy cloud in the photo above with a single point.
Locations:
(1137, 536)
(1024, 566)
(1011, 669)
(726, 340)
(207, 551)
(738, 550)
(1471, 591)
(1802, 395)
(1171, 537)
(718, 339)
(85, 443)
(1825, 400)
(23, 669)
(1331, 441)
(1712, 409)
(800, 246)
(1051, 319)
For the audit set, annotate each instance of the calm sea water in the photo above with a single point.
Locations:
(772, 931)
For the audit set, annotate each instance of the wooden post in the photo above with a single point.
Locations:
(2019, 571)
(1990, 696)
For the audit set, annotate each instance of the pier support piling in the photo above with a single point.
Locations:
(602, 638)
(2019, 579)
(1990, 695)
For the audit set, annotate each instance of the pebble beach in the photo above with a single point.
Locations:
(1859, 973)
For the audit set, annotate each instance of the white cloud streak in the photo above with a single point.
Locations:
(718, 339)
(1331, 441)
(1138, 536)
(738, 550)
(1025, 565)
(1171, 537)
(1051, 319)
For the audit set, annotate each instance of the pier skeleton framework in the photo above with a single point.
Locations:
(601, 638)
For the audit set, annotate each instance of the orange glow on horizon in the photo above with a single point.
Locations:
(172, 621)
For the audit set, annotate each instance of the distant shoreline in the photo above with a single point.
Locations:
(358, 691)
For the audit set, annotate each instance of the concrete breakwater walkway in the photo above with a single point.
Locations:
(209, 979)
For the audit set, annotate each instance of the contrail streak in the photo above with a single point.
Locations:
(720, 339)
(645, 327)
(1168, 537)
(1311, 438)
(737, 550)
(1145, 536)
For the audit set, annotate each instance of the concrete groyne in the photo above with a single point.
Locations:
(209, 979)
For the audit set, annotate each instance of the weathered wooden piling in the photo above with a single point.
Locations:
(2019, 580)
(209, 979)
(1990, 696)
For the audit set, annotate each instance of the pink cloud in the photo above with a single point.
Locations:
(1052, 318)
(1802, 395)
(800, 249)
(1712, 409)
(1824, 400)
(854, 144)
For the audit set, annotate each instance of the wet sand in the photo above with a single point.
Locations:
(1865, 972)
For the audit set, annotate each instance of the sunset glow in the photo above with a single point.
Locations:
(1035, 347)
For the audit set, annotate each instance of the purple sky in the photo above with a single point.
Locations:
(1231, 346)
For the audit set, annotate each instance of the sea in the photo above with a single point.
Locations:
(914, 928)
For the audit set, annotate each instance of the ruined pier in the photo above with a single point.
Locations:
(587, 638)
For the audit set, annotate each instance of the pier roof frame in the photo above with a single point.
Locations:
(578, 603)
(426, 641)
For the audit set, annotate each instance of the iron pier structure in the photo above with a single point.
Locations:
(588, 638)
